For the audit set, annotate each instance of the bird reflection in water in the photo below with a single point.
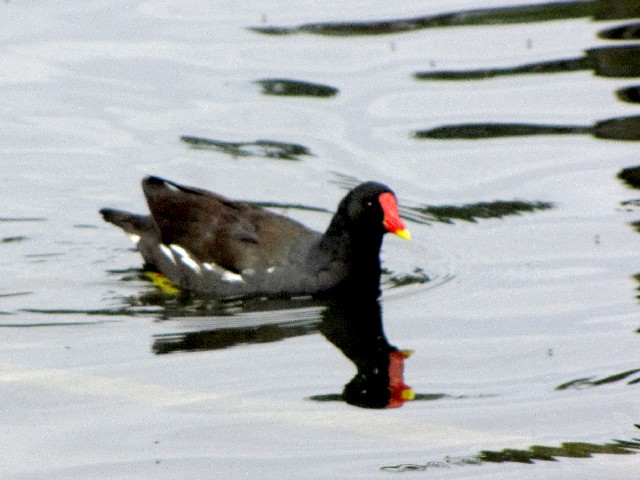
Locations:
(354, 327)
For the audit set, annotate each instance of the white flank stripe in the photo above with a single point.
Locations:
(225, 275)
(231, 277)
(167, 253)
(186, 258)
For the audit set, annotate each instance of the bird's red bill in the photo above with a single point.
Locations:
(391, 219)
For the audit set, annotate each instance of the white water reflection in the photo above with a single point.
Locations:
(96, 95)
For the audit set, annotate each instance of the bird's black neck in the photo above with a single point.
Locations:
(358, 253)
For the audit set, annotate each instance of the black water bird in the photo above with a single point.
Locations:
(207, 243)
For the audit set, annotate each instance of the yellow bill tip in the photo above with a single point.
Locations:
(403, 233)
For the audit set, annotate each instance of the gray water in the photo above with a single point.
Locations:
(510, 137)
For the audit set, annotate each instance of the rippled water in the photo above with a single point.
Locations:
(510, 135)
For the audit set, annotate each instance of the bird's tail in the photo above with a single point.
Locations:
(129, 222)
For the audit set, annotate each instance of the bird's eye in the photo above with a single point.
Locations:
(367, 204)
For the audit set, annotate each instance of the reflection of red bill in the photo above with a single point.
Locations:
(400, 391)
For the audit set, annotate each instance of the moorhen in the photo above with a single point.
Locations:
(207, 243)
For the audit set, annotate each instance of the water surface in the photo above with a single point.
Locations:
(509, 133)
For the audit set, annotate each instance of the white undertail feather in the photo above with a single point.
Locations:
(171, 187)
(134, 238)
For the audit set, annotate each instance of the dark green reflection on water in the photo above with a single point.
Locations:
(629, 94)
(15, 294)
(295, 88)
(598, 10)
(15, 239)
(258, 148)
(631, 176)
(588, 382)
(615, 61)
(477, 131)
(637, 275)
(624, 32)
(528, 456)
(566, 450)
(624, 128)
(471, 212)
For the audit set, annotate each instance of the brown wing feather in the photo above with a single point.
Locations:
(214, 229)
